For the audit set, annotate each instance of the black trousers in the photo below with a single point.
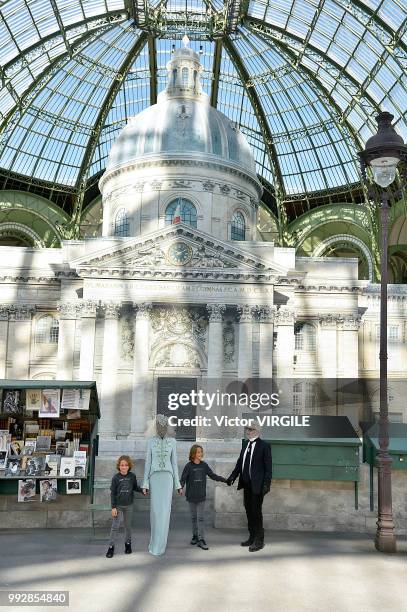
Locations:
(253, 505)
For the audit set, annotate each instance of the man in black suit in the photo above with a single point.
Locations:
(254, 468)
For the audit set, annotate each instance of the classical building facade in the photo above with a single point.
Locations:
(181, 285)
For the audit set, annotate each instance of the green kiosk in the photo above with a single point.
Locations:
(327, 449)
(44, 425)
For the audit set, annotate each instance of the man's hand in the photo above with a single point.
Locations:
(266, 488)
(114, 512)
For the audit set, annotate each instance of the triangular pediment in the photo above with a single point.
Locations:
(177, 248)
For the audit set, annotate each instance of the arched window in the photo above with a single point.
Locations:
(121, 224)
(238, 228)
(181, 210)
(46, 330)
(305, 337)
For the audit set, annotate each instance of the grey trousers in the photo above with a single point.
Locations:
(124, 515)
(198, 521)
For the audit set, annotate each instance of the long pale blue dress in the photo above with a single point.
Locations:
(161, 478)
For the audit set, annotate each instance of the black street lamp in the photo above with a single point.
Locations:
(382, 154)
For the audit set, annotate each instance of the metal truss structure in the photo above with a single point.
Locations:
(303, 80)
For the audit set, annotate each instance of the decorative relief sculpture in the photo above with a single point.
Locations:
(127, 339)
(229, 342)
(177, 355)
(172, 323)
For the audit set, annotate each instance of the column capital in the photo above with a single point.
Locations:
(285, 316)
(68, 310)
(143, 310)
(349, 322)
(4, 312)
(88, 308)
(215, 311)
(328, 321)
(246, 312)
(21, 312)
(112, 310)
(266, 313)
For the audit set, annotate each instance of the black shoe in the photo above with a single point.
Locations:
(127, 548)
(110, 552)
(194, 540)
(247, 542)
(202, 544)
(256, 546)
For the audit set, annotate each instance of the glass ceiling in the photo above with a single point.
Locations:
(302, 78)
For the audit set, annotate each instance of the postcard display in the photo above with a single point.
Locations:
(46, 442)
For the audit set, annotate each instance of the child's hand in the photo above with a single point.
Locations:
(114, 512)
(179, 491)
(145, 491)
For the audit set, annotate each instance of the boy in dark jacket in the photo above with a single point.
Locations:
(194, 476)
(124, 483)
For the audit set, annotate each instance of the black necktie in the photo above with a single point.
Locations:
(246, 466)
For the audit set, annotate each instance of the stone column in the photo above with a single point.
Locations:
(141, 395)
(266, 339)
(327, 346)
(348, 356)
(245, 353)
(4, 316)
(215, 340)
(66, 339)
(110, 363)
(88, 330)
(285, 318)
(20, 340)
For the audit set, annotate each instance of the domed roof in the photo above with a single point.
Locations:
(182, 123)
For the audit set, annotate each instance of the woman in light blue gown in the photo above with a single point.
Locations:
(160, 478)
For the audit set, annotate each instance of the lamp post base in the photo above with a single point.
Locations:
(385, 541)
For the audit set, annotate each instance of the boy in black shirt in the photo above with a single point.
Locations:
(124, 483)
(194, 476)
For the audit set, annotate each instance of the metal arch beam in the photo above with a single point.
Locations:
(98, 126)
(61, 26)
(217, 60)
(293, 62)
(268, 137)
(361, 8)
(259, 28)
(28, 50)
(48, 72)
(152, 59)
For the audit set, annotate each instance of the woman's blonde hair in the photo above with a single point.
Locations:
(125, 458)
(192, 452)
